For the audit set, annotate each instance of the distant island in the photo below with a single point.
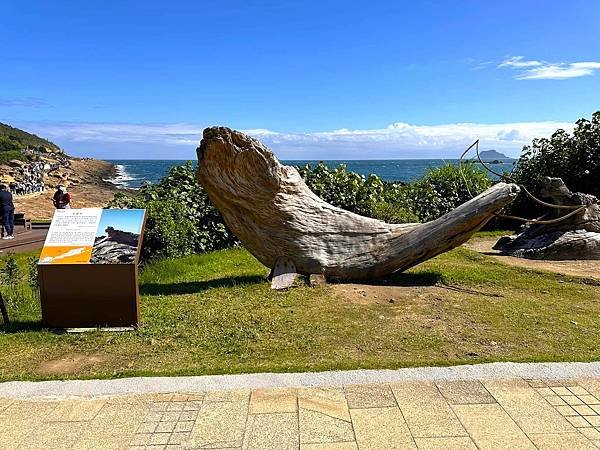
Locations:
(493, 156)
(32, 167)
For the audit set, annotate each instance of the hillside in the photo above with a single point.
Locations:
(16, 144)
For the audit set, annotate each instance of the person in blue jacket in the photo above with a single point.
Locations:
(7, 211)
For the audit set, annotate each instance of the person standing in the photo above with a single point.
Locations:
(61, 198)
(7, 208)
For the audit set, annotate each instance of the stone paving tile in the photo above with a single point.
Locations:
(426, 411)
(53, 435)
(118, 419)
(381, 428)
(276, 430)
(464, 392)
(571, 441)
(13, 431)
(76, 410)
(5, 403)
(317, 427)
(28, 408)
(491, 427)
(227, 396)
(445, 443)
(221, 423)
(103, 441)
(273, 401)
(528, 408)
(496, 442)
(330, 446)
(329, 401)
(369, 396)
(553, 414)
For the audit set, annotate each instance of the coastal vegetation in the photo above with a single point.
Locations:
(181, 219)
(25, 139)
(574, 157)
(215, 313)
(14, 141)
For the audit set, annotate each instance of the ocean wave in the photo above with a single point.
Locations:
(122, 178)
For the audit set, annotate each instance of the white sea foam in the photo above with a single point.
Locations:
(122, 178)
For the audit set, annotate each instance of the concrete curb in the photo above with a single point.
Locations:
(144, 385)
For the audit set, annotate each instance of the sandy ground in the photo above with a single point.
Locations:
(85, 183)
(381, 293)
(581, 268)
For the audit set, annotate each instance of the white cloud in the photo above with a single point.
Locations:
(397, 140)
(542, 70)
(519, 62)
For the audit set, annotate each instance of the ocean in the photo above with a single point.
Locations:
(132, 173)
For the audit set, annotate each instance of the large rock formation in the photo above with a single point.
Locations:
(116, 247)
(279, 220)
(575, 237)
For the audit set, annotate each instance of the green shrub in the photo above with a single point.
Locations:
(347, 190)
(9, 144)
(180, 218)
(393, 213)
(573, 157)
(169, 231)
(441, 190)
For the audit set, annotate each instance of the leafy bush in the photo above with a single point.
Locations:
(347, 190)
(573, 157)
(180, 218)
(8, 144)
(393, 213)
(441, 190)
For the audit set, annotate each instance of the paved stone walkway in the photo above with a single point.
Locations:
(511, 413)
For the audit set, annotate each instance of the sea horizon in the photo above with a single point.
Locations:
(133, 173)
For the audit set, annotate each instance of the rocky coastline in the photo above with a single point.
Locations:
(85, 179)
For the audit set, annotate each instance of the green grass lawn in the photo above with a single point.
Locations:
(215, 313)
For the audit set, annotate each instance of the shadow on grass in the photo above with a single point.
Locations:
(195, 287)
(425, 278)
(20, 326)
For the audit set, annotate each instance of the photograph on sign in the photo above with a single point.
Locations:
(93, 236)
(118, 236)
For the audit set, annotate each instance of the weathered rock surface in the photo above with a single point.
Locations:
(576, 237)
(275, 215)
(117, 247)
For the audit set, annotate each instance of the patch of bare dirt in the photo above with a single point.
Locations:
(369, 294)
(70, 364)
(580, 268)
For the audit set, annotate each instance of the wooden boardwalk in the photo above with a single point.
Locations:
(25, 241)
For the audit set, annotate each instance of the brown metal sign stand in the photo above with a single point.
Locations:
(91, 295)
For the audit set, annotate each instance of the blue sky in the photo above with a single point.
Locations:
(121, 219)
(379, 79)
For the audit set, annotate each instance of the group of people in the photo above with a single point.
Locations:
(61, 200)
(31, 178)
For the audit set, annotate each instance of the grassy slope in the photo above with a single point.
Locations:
(25, 138)
(215, 314)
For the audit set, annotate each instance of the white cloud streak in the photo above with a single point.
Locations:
(398, 140)
(542, 70)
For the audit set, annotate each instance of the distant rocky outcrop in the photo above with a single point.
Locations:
(493, 155)
(116, 247)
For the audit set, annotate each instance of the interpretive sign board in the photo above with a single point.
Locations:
(88, 268)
